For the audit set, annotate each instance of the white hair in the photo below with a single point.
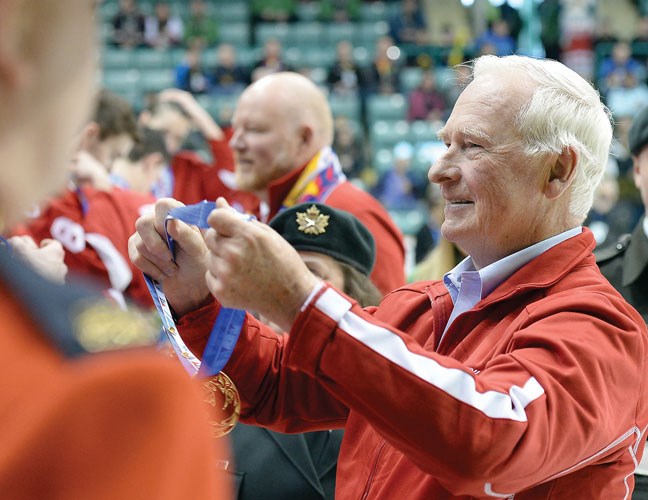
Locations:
(564, 110)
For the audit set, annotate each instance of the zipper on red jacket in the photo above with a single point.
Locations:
(365, 494)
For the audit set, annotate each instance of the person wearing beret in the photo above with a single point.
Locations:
(625, 264)
(339, 249)
(89, 407)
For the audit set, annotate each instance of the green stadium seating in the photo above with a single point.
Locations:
(238, 34)
(386, 107)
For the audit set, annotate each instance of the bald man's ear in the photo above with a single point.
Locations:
(14, 30)
(306, 135)
(561, 173)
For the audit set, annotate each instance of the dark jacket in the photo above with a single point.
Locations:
(269, 465)
(625, 265)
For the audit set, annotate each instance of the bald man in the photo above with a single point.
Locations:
(283, 131)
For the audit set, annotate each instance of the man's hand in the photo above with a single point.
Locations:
(250, 266)
(183, 279)
(47, 259)
(200, 117)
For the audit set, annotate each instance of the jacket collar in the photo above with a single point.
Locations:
(278, 190)
(548, 268)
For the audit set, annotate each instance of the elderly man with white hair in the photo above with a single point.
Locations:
(521, 374)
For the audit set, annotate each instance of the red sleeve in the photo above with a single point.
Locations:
(557, 398)
(256, 369)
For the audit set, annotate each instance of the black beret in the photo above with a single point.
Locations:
(314, 227)
(638, 133)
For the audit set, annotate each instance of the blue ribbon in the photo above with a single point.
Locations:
(227, 327)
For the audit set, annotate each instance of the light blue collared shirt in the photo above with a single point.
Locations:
(467, 286)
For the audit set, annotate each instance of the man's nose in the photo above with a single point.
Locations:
(236, 141)
(442, 169)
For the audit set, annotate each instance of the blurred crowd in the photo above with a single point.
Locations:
(391, 71)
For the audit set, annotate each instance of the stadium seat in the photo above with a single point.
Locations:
(386, 107)
(232, 12)
(336, 32)
(152, 59)
(113, 58)
(307, 33)
(383, 161)
(155, 80)
(408, 221)
(345, 105)
(409, 78)
(386, 134)
(422, 131)
(265, 31)
(238, 34)
(374, 11)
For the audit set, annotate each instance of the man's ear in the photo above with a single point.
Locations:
(561, 172)
(14, 30)
(306, 135)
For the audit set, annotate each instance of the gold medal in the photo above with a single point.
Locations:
(221, 388)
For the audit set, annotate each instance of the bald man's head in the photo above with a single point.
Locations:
(302, 101)
(281, 121)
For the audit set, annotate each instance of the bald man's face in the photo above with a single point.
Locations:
(265, 142)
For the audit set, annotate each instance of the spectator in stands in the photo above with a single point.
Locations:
(339, 11)
(273, 11)
(190, 75)
(271, 61)
(614, 68)
(382, 74)
(128, 25)
(426, 102)
(344, 77)
(429, 234)
(347, 144)
(498, 35)
(228, 77)
(408, 26)
(627, 98)
(549, 13)
(604, 34)
(400, 188)
(199, 26)
(601, 218)
(163, 29)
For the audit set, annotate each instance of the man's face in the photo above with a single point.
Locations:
(265, 142)
(106, 151)
(492, 191)
(175, 126)
(640, 174)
